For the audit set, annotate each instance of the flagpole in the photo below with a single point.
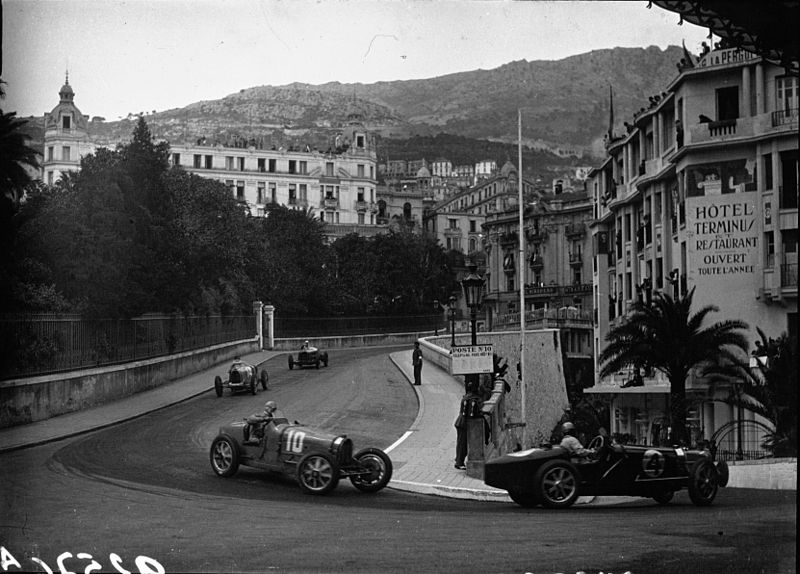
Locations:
(521, 265)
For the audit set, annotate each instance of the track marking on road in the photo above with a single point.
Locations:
(399, 441)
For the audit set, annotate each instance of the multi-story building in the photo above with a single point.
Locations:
(340, 188)
(555, 268)
(66, 137)
(699, 193)
(457, 219)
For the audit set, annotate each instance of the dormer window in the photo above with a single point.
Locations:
(66, 122)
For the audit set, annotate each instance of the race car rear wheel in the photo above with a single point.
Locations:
(224, 456)
(316, 363)
(525, 499)
(703, 483)
(556, 484)
(218, 385)
(291, 363)
(317, 473)
(264, 377)
(380, 467)
(664, 497)
(325, 359)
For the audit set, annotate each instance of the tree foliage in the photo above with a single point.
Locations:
(128, 235)
(767, 386)
(667, 336)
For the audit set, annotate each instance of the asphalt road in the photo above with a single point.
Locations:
(145, 489)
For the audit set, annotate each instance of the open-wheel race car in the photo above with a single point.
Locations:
(308, 357)
(242, 377)
(548, 476)
(317, 460)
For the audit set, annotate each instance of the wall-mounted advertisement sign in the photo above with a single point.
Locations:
(471, 359)
(723, 245)
(723, 57)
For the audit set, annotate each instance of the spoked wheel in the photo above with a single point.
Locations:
(703, 483)
(664, 497)
(224, 456)
(557, 484)
(317, 473)
(380, 467)
(264, 377)
(218, 385)
(525, 499)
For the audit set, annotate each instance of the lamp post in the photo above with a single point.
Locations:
(451, 307)
(472, 285)
(436, 318)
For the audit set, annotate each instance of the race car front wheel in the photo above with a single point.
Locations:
(218, 385)
(224, 456)
(703, 483)
(380, 470)
(317, 473)
(557, 484)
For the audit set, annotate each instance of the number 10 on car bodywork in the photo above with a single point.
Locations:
(294, 441)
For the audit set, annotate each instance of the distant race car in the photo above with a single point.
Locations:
(308, 357)
(317, 460)
(548, 476)
(241, 377)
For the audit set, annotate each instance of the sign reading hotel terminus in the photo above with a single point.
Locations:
(723, 236)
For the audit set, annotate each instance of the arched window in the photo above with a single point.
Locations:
(407, 210)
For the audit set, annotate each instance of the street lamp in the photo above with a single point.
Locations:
(436, 310)
(472, 285)
(451, 307)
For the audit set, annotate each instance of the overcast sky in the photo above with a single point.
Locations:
(138, 55)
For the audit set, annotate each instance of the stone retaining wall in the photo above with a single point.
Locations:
(769, 474)
(37, 398)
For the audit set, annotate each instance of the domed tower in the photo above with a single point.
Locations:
(66, 137)
(355, 125)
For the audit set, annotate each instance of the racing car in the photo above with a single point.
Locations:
(308, 357)
(548, 476)
(316, 459)
(241, 377)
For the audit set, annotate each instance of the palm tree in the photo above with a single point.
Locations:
(667, 336)
(767, 386)
(17, 158)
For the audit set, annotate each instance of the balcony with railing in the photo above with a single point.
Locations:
(789, 275)
(565, 317)
(722, 130)
(575, 230)
(784, 117)
(575, 259)
(329, 202)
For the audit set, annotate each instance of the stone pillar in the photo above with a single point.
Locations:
(257, 306)
(269, 323)
(760, 89)
(747, 108)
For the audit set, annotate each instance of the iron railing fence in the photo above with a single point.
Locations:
(293, 327)
(48, 343)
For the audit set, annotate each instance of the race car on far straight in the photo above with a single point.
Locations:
(308, 357)
(241, 377)
(548, 476)
(316, 459)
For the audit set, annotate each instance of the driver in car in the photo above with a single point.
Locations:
(305, 345)
(571, 444)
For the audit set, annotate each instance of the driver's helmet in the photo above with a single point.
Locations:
(568, 428)
(305, 344)
(270, 407)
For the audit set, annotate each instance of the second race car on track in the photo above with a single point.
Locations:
(548, 476)
(316, 459)
(241, 377)
(308, 356)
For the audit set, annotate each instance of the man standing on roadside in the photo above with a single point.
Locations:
(416, 360)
